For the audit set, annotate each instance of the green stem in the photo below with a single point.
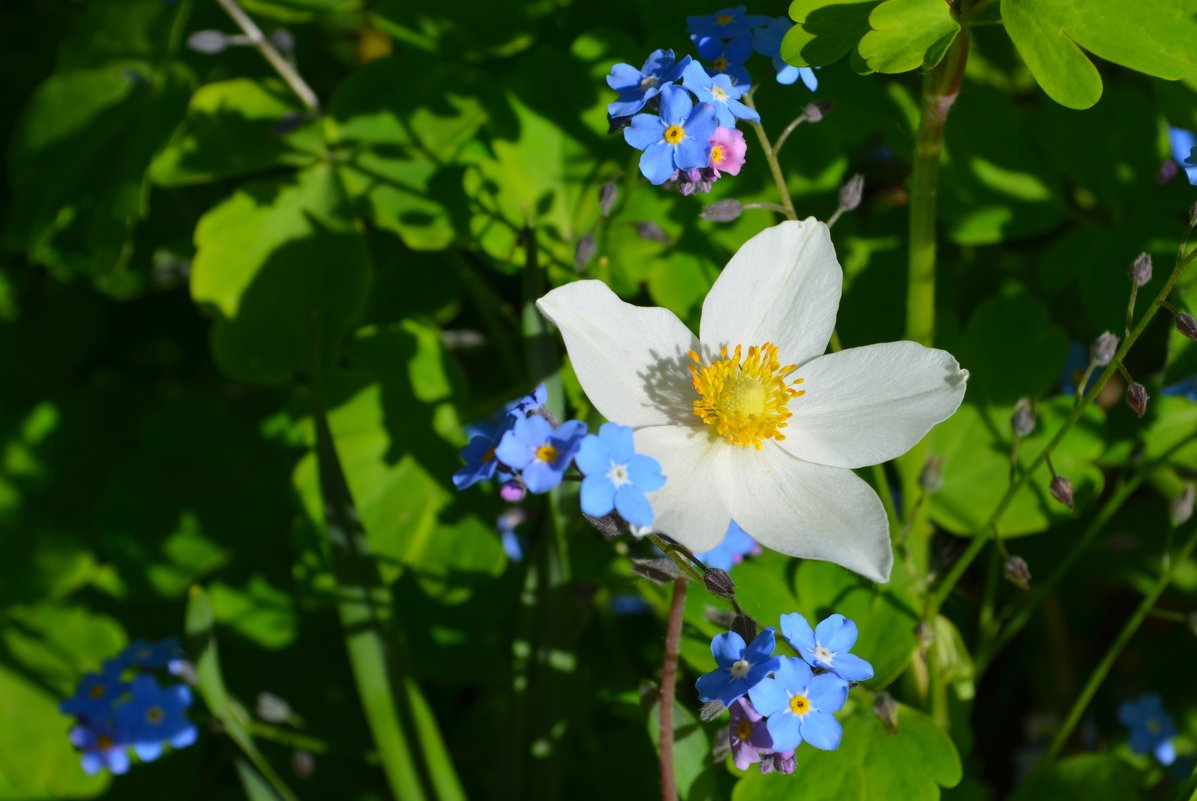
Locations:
(774, 166)
(283, 67)
(1120, 642)
(982, 534)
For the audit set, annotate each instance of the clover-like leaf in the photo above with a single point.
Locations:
(825, 30)
(908, 34)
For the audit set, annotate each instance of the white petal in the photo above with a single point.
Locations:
(808, 510)
(631, 360)
(867, 405)
(782, 286)
(690, 506)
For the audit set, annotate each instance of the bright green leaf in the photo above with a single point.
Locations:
(825, 30)
(908, 34)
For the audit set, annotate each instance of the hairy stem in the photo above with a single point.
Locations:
(774, 166)
(673, 645)
(283, 67)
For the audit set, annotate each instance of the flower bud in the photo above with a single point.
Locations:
(1182, 506)
(1018, 572)
(1137, 397)
(273, 709)
(711, 710)
(617, 124)
(584, 251)
(652, 232)
(284, 40)
(723, 210)
(886, 710)
(607, 525)
(814, 112)
(719, 582)
(1061, 489)
(1103, 349)
(607, 197)
(513, 491)
(303, 763)
(662, 571)
(745, 627)
(931, 476)
(782, 763)
(208, 42)
(1140, 270)
(1023, 419)
(852, 192)
(1186, 325)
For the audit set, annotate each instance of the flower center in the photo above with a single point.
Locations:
(744, 399)
(1152, 725)
(674, 134)
(720, 64)
(718, 94)
(96, 692)
(618, 475)
(648, 82)
(743, 730)
(823, 655)
(724, 19)
(799, 704)
(489, 456)
(716, 155)
(104, 742)
(740, 669)
(546, 453)
(155, 714)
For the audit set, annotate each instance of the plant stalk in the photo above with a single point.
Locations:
(673, 645)
(283, 67)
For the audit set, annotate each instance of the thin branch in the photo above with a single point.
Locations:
(673, 645)
(271, 54)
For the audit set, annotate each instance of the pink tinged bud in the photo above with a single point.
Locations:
(1018, 572)
(1186, 325)
(1140, 271)
(512, 492)
(727, 151)
(1061, 489)
(1136, 398)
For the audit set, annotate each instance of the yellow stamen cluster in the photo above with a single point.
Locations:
(744, 398)
(716, 155)
(799, 704)
(546, 453)
(720, 64)
(743, 730)
(724, 19)
(675, 134)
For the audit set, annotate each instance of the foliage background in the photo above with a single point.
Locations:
(185, 251)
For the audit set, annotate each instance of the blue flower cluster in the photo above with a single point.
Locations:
(1184, 152)
(779, 702)
(529, 451)
(1151, 727)
(684, 146)
(123, 706)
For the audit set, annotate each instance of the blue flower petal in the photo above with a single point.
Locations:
(646, 130)
(701, 124)
(727, 648)
(710, 685)
(769, 697)
(513, 451)
(1165, 752)
(827, 692)
(623, 75)
(540, 477)
(645, 472)
(675, 105)
(798, 634)
(594, 458)
(633, 506)
(738, 50)
(851, 667)
(784, 728)
(619, 441)
(741, 111)
(693, 153)
(656, 164)
(822, 730)
(836, 633)
(598, 496)
(762, 646)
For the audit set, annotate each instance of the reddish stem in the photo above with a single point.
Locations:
(673, 644)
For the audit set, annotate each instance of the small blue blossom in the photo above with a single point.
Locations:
(799, 706)
(513, 544)
(541, 452)
(735, 546)
(724, 23)
(727, 57)
(528, 404)
(1184, 151)
(479, 453)
(721, 93)
(96, 693)
(676, 140)
(142, 655)
(155, 716)
(100, 746)
(629, 605)
(616, 477)
(1151, 728)
(638, 86)
(740, 667)
(827, 645)
(1184, 389)
(766, 40)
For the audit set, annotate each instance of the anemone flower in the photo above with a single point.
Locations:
(751, 420)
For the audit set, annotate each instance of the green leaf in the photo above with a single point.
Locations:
(402, 151)
(285, 268)
(260, 612)
(1094, 777)
(231, 129)
(908, 34)
(1152, 36)
(825, 30)
(78, 164)
(691, 748)
(870, 764)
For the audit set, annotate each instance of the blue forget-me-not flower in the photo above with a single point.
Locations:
(731, 551)
(766, 40)
(616, 477)
(740, 668)
(727, 57)
(541, 452)
(155, 716)
(676, 140)
(724, 23)
(95, 693)
(827, 645)
(100, 746)
(638, 86)
(799, 706)
(1151, 728)
(721, 93)
(1184, 151)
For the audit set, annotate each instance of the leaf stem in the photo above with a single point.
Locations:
(673, 644)
(283, 67)
(774, 166)
(1120, 642)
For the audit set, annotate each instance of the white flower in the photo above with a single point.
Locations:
(751, 421)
